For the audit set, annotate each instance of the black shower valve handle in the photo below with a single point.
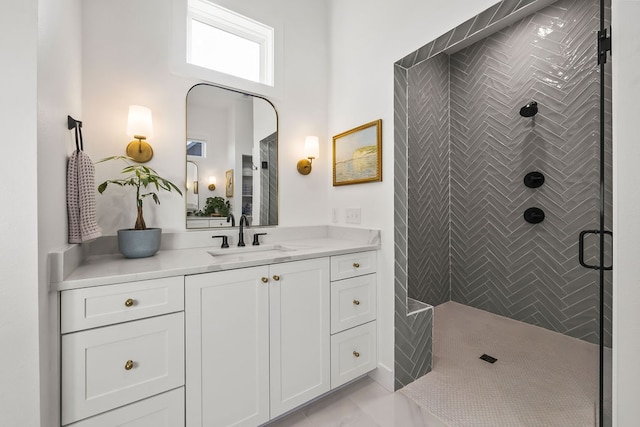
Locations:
(534, 215)
(534, 179)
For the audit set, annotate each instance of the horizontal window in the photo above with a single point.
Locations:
(230, 43)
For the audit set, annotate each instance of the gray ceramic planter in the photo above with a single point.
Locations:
(139, 243)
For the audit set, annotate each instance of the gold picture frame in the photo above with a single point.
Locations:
(357, 155)
(228, 183)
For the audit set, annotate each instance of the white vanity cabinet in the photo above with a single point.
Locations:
(257, 343)
(353, 316)
(122, 354)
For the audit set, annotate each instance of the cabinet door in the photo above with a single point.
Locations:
(227, 348)
(300, 343)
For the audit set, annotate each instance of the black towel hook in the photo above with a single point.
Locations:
(77, 125)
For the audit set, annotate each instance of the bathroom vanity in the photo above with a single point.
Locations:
(203, 336)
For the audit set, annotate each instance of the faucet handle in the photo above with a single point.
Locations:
(225, 240)
(256, 240)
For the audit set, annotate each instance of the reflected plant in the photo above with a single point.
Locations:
(215, 205)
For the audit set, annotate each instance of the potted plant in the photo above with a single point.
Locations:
(215, 205)
(140, 241)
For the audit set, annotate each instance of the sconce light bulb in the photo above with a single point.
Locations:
(311, 151)
(139, 125)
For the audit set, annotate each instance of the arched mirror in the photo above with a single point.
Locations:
(232, 144)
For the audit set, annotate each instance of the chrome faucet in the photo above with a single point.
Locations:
(244, 219)
(232, 218)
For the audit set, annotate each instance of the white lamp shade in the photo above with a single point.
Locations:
(212, 180)
(312, 147)
(139, 122)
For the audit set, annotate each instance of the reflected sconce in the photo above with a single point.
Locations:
(212, 183)
(195, 187)
(140, 127)
(311, 151)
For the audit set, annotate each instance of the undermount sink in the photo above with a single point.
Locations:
(250, 253)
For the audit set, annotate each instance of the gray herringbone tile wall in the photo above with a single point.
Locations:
(413, 330)
(499, 262)
(428, 185)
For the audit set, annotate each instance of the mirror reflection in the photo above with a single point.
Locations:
(193, 204)
(232, 158)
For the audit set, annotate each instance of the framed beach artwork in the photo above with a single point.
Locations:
(228, 183)
(357, 155)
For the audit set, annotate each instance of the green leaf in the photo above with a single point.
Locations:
(139, 175)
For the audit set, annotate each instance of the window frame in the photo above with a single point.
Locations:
(203, 147)
(239, 25)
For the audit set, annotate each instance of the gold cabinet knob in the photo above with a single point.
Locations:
(356, 354)
(265, 279)
(356, 265)
(276, 277)
(128, 365)
(128, 303)
(356, 302)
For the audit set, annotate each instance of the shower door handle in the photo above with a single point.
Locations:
(581, 249)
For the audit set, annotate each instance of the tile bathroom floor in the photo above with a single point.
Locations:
(541, 378)
(363, 403)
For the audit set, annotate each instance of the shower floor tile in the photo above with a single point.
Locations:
(540, 378)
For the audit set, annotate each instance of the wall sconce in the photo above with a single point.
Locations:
(311, 151)
(139, 126)
(212, 183)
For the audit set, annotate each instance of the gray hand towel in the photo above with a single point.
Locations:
(81, 198)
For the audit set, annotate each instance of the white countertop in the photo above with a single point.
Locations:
(100, 270)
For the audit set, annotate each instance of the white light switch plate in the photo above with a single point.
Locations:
(334, 216)
(353, 215)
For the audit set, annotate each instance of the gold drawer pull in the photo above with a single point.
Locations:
(264, 280)
(356, 354)
(129, 365)
(356, 265)
(276, 277)
(356, 302)
(129, 302)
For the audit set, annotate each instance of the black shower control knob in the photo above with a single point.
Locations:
(534, 215)
(534, 179)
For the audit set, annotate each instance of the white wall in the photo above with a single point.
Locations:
(59, 87)
(126, 60)
(19, 377)
(367, 37)
(626, 205)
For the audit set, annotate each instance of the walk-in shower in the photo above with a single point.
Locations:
(490, 206)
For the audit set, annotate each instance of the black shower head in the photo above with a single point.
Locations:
(529, 110)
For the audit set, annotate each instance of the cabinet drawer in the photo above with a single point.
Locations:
(353, 302)
(108, 367)
(105, 305)
(163, 410)
(351, 265)
(353, 353)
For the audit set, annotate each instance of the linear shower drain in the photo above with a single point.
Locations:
(488, 358)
